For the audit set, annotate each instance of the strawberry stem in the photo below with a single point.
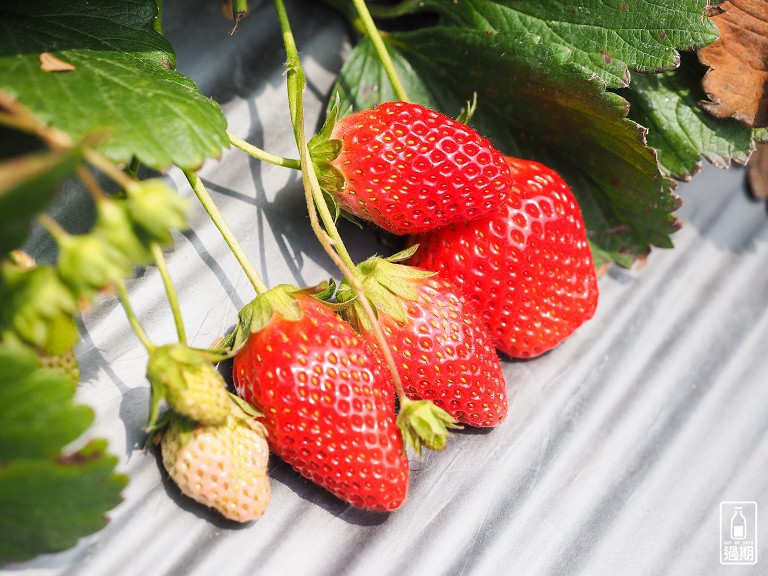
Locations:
(54, 228)
(239, 9)
(296, 82)
(170, 290)
(260, 154)
(133, 168)
(381, 49)
(157, 22)
(122, 293)
(108, 168)
(329, 238)
(90, 182)
(213, 212)
(19, 118)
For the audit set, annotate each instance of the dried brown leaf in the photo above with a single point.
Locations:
(51, 63)
(737, 82)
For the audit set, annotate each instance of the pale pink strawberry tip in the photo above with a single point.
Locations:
(223, 467)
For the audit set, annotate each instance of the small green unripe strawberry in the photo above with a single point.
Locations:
(114, 225)
(65, 363)
(156, 209)
(37, 307)
(190, 384)
(224, 467)
(88, 264)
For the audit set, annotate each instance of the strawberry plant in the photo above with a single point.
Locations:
(600, 103)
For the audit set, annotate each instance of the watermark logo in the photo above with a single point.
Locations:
(738, 532)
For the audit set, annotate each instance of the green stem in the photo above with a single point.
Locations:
(107, 167)
(157, 23)
(331, 241)
(122, 293)
(18, 118)
(381, 49)
(133, 168)
(170, 290)
(90, 182)
(229, 237)
(260, 154)
(296, 82)
(54, 228)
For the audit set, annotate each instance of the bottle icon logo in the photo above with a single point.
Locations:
(738, 525)
(738, 533)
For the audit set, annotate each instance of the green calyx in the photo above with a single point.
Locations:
(115, 227)
(387, 285)
(155, 209)
(188, 381)
(88, 264)
(323, 150)
(424, 425)
(280, 300)
(258, 313)
(37, 308)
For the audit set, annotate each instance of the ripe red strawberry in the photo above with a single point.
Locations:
(527, 266)
(407, 168)
(442, 351)
(224, 467)
(328, 402)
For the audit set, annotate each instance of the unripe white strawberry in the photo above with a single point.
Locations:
(224, 467)
(191, 385)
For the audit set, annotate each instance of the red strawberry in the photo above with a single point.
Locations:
(224, 467)
(328, 403)
(527, 267)
(442, 352)
(407, 168)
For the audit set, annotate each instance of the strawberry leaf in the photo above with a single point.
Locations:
(46, 505)
(599, 39)
(678, 128)
(37, 413)
(531, 107)
(122, 84)
(540, 71)
(48, 498)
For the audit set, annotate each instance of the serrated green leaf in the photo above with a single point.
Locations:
(46, 505)
(37, 411)
(123, 85)
(668, 105)
(532, 106)
(47, 499)
(600, 38)
(27, 185)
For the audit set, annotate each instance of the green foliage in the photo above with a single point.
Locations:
(598, 38)
(123, 85)
(48, 498)
(541, 73)
(681, 131)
